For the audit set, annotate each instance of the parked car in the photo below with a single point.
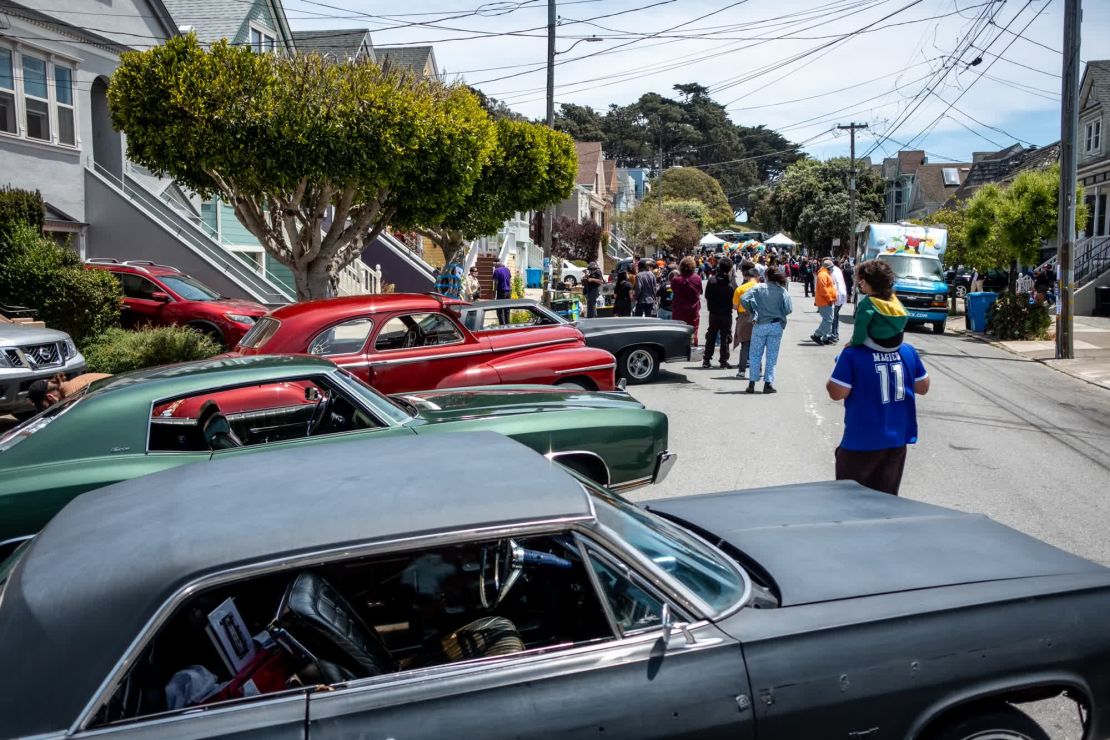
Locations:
(572, 274)
(465, 587)
(994, 281)
(161, 418)
(640, 345)
(28, 354)
(405, 341)
(160, 295)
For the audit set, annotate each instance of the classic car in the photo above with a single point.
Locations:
(405, 341)
(639, 344)
(27, 354)
(466, 587)
(151, 420)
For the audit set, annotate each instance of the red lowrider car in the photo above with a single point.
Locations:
(404, 342)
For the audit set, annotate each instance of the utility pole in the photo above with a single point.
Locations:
(852, 128)
(1069, 132)
(549, 212)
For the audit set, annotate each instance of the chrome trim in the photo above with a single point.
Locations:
(663, 464)
(610, 366)
(15, 540)
(584, 554)
(630, 484)
(679, 327)
(278, 563)
(554, 457)
(426, 358)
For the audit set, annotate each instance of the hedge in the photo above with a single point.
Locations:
(118, 351)
(19, 207)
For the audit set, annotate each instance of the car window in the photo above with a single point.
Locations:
(342, 339)
(417, 330)
(190, 288)
(355, 618)
(517, 317)
(136, 286)
(39, 422)
(633, 608)
(262, 331)
(264, 413)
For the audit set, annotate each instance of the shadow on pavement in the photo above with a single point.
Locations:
(669, 377)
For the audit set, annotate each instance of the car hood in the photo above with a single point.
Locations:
(827, 541)
(453, 404)
(20, 334)
(236, 305)
(603, 326)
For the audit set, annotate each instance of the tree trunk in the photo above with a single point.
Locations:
(454, 247)
(1011, 288)
(312, 281)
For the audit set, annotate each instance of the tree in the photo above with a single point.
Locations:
(690, 183)
(573, 240)
(663, 226)
(530, 167)
(315, 157)
(581, 122)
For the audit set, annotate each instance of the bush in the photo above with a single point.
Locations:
(19, 207)
(40, 274)
(117, 350)
(1012, 316)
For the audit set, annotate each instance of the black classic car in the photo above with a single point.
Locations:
(465, 586)
(639, 344)
(994, 280)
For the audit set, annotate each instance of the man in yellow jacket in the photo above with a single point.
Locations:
(825, 299)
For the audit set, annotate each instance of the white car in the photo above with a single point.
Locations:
(28, 354)
(572, 274)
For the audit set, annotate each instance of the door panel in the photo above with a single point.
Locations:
(398, 369)
(628, 689)
(280, 718)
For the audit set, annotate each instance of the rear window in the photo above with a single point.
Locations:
(263, 330)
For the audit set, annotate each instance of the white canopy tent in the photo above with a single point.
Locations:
(711, 240)
(781, 240)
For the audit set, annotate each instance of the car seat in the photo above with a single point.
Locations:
(215, 427)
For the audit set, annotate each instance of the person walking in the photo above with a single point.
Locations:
(502, 288)
(646, 289)
(624, 295)
(879, 391)
(718, 301)
(591, 286)
(472, 287)
(666, 294)
(744, 325)
(809, 270)
(686, 287)
(841, 299)
(769, 304)
(824, 297)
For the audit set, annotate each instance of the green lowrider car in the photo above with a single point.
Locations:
(142, 422)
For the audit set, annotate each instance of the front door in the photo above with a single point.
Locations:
(139, 308)
(424, 350)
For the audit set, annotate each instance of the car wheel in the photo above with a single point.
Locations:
(993, 722)
(211, 332)
(961, 291)
(570, 281)
(638, 365)
(938, 327)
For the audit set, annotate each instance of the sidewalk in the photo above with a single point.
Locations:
(1092, 349)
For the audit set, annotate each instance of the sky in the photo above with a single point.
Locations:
(906, 68)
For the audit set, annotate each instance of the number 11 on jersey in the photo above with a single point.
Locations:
(895, 372)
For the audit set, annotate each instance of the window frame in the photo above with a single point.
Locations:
(1092, 136)
(28, 97)
(52, 61)
(330, 327)
(120, 275)
(12, 91)
(264, 34)
(442, 314)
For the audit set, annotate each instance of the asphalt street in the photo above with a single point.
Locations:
(998, 434)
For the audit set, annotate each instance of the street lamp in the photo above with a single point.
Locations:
(589, 39)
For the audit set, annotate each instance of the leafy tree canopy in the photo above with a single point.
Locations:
(576, 241)
(315, 157)
(691, 184)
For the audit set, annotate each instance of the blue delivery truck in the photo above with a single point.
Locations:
(914, 253)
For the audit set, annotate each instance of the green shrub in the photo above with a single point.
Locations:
(117, 350)
(1012, 316)
(40, 274)
(518, 285)
(19, 207)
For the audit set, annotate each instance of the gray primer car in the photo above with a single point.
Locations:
(28, 354)
(639, 344)
(802, 612)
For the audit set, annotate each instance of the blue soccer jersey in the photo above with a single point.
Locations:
(880, 412)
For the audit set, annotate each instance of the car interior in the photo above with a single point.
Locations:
(256, 414)
(417, 330)
(518, 317)
(358, 619)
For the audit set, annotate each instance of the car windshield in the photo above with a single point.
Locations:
(37, 423)
(707, 573)
(914, 266)
(189, 288)
(398, 410)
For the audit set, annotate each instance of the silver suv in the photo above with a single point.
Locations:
(28, 354)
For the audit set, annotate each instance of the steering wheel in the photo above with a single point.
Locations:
(501, 566)
(320, 414)
(414, 337)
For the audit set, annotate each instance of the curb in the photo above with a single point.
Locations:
(1045, 362)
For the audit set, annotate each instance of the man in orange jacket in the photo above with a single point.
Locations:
(825, 300)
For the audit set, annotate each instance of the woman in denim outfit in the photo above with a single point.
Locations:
(769, 304)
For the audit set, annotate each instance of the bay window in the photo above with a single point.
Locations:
(37, 97)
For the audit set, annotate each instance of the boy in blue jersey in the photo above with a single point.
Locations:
(880, 414)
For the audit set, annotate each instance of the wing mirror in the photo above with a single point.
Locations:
(160, 297)
(669, 626)
(312, 393)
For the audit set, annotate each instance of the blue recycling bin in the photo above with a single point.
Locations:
(977, 305)
(534, 277)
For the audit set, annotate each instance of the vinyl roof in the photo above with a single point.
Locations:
(100, 570)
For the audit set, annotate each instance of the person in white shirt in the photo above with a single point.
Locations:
(841, 299)
(1025, 284)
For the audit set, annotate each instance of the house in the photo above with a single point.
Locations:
(341, 44)
(591, 187)
(1003, 166)
(418, 59)
(1092, 250)
(915, 188)
(641, 178)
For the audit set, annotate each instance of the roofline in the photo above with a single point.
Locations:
(59, 26)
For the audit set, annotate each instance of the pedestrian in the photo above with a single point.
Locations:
(502, 288)
(880, 412)
(646, 289)
(718, 301)
(841, 299)
(769, 304)
(824, 297)
(686, 286)
(1025, 284)
(744, 325)
(880, 317)
(666, 294)
(848, 271)
(449, 281)
(976, 281)
(809, 275)
(472, 287)
(624, 295)
(591, 286)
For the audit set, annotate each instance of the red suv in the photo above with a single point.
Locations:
(159, 295)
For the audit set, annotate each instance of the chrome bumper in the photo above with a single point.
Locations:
(663, 465)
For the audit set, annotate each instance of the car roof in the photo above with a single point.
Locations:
(100, 570)
(339, 308)
(500, 303)
(149, 269)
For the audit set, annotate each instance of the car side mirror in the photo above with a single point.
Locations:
(160, 297)
(669, 626)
